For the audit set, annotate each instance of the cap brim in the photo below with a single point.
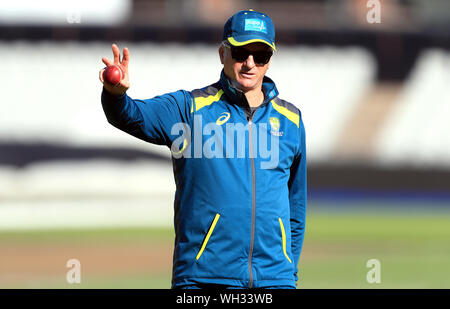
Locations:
(244, 40)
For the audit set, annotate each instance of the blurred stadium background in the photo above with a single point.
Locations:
(374, 97)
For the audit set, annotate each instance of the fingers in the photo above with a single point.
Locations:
(124, 84)
(116, 53)
(106, 61)
(126, 57)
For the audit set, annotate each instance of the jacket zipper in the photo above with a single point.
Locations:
(252, 160)
(252, 237)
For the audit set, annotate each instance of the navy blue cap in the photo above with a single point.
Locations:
(249, 26)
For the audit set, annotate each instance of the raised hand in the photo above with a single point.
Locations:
(124, 83)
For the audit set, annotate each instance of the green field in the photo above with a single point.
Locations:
(412, 247)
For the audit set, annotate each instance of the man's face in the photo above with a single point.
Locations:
(248, 73)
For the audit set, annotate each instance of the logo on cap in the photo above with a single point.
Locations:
(254, 24)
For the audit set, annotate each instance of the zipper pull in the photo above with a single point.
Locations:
(250, 118)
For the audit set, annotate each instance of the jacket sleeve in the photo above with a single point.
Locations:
(297, 199)
(150, 120)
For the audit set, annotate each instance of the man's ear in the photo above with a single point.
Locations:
(221, 54)
(268, 64)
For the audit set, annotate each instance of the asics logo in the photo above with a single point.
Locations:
(223, 118)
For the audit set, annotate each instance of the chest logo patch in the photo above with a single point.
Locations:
(275, 126)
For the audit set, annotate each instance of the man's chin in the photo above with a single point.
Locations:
(245, 85)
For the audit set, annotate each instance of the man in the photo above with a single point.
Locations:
(239, 220)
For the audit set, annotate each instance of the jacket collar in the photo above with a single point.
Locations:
(236, 96)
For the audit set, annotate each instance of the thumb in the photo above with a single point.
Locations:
(100, 75)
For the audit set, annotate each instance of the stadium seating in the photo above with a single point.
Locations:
(416, 131)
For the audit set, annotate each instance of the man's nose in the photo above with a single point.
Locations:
(250, 62)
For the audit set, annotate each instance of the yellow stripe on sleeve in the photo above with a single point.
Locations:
(295, 118)
(201, 102)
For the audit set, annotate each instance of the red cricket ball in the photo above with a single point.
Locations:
(112, 74)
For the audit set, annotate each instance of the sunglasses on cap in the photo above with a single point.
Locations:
(240, 54)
